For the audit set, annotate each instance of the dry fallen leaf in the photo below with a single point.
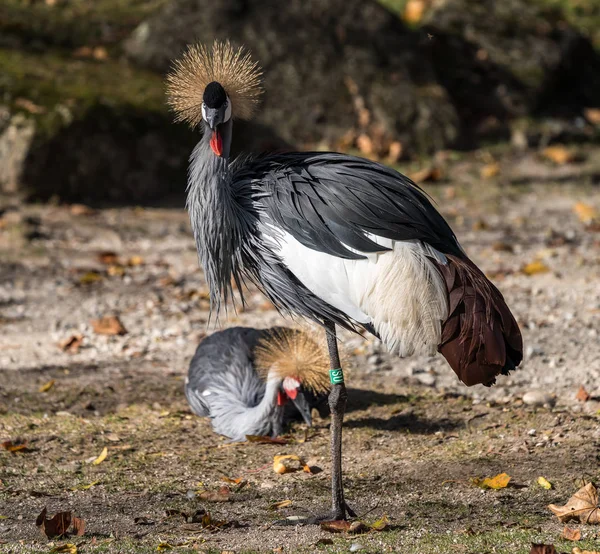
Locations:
(586, 213)
(365, 144)
(381, 524)
(108, 257)
(571, 534)
(71, 344)
(90, 277)
(29, 106)
(222, 495)
(394, 151)
(558, 154)
(85, 487)
(196, 517)
(499, 481)
(135, 261)
(102, 457)
(108, 325)
(582, 507)
(82, 209)
(413, 11)
(582, 395)
(57, 526)
(115, 271)
(279, 505)
(534, 268)
(592, 115)
(542, 549)
(489, 170)
(15, 447)
(78, 526)
(47, 386)
(342, 526)
(577, 550)
(100, 53)
(544, 483)
(67, 548)
(288, 463)
(479, 225)
(428, 174)
(338, 526)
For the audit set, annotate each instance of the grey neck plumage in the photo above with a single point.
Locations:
(215, 223)
(236, 421)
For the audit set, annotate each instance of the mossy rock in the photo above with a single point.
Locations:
(102, 130)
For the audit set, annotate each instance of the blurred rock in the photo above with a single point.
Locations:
(500, 60)
(322, 58)
(538, 398)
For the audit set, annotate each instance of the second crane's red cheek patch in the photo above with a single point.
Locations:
(216, 143)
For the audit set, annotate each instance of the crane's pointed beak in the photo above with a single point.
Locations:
(303, 407)
(214, 116)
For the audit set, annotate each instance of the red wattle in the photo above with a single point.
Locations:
(280, 398)
(292, 393)
(216, 143)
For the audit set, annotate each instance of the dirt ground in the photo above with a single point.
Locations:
(414, 436)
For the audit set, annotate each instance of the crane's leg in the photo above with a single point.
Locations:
(337, 405)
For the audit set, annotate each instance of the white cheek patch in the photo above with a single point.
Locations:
(289, 383)
(204, 112)
(227, 111)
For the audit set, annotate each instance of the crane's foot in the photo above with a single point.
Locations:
(333, 515)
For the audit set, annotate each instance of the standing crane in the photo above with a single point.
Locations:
(242, 378)
(333, 238)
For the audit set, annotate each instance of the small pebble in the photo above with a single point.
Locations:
(531, 432)
(426, 379)
(538, 398)
(355, 547)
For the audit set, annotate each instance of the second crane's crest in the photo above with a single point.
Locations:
(232, 68)
(294, 354)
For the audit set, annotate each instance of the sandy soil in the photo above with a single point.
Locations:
(414, 435)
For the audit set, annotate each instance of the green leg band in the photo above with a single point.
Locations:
(336, 376)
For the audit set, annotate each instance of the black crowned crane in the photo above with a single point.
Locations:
(247, 379)
(333, 238)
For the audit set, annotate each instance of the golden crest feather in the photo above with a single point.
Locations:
(234, 69)
(294, 353)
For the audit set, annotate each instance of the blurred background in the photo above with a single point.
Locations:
(82, 107)
(493, 106)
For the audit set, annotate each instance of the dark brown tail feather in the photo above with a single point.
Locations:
(480, 338)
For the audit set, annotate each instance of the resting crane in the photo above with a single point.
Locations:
(253, 381)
